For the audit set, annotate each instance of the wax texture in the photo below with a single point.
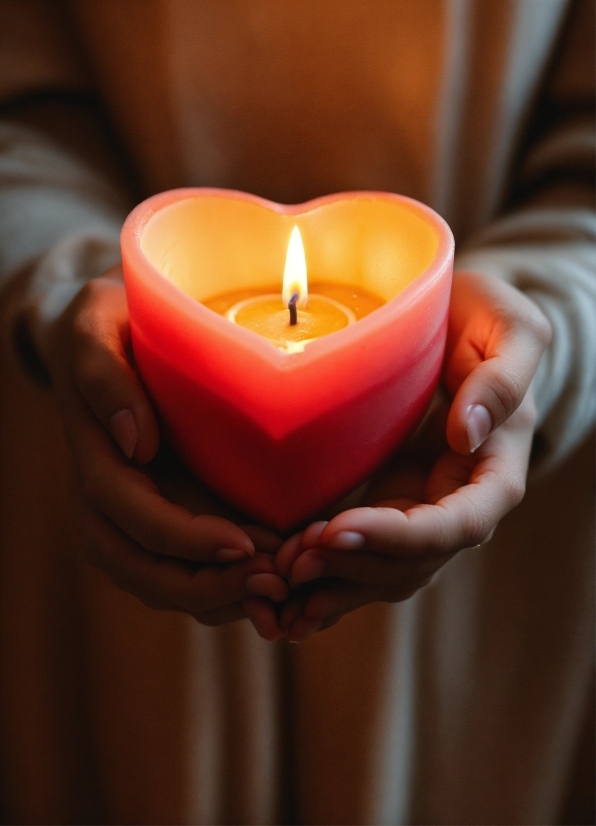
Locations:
(280, 435)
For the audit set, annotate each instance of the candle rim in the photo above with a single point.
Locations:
(137, 221)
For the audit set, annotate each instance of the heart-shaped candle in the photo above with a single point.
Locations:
(283, 434)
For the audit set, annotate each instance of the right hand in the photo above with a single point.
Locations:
(163, 553)
(450, 485)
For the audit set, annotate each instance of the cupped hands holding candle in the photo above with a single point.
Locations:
(157, 534)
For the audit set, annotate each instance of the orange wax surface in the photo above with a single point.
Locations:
(270, 318)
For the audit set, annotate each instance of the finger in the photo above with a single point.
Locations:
(327, 606)
(293, 609)
(461, 519)
(401, 575)
(129, 567)
(289, 551)
(102, 373)
(263, 539)
(178, 584)
(329, 603)
(310, 536)
(127, 496)
(490, 368)
(212, 587)
(262, 615)
(294, 606)
(293, 546)
(268, 585)
(303, 629)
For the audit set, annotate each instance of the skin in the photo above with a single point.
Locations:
(161, 536)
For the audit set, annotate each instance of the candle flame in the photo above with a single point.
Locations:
(295, 278)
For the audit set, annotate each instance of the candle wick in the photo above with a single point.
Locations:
(292, 309)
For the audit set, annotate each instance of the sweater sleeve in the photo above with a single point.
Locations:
(546, 246)
(54, 209)
(62, 202)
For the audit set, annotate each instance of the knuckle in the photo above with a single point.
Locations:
(475, 536)
(83, 319)
(538, 324)
(476, 528)
(529, 318)
(91, 292)
(509, 316)
(507, 393)
(438, 543)
(524, 317)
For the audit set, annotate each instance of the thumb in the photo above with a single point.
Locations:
(496, 385)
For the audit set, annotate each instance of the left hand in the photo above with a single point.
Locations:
(167, 552)
(182, 488)
(465, 469)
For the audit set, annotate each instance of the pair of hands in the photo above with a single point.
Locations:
(163, 538)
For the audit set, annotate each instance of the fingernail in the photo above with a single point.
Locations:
(478, 425)
(347, 541)
(308, 567)
(231, 555)
(303, 629)
(125, 431)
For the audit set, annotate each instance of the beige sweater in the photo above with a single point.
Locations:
(480, 109)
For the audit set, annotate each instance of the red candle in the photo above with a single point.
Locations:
(282, 434)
